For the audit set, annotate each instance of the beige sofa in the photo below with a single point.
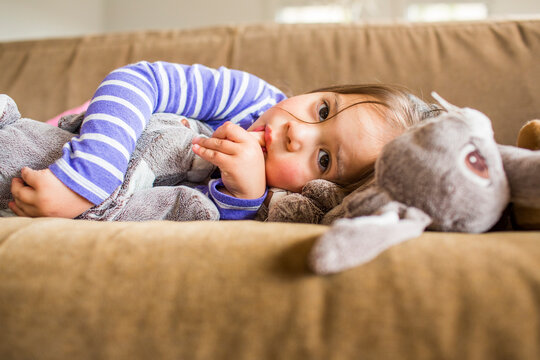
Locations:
(241, 290)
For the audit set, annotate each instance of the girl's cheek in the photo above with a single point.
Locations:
(287, 176)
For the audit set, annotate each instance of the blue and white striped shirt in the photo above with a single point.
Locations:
(93, 164)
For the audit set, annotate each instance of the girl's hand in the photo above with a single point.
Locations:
(45, 195)
(239, 157)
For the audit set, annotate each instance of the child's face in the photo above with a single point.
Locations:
(337, 150)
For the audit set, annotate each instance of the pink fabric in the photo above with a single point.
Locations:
(76, 110)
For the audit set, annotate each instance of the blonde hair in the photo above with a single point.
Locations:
(399, 108)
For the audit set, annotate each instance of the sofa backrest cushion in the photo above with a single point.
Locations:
(492, 66)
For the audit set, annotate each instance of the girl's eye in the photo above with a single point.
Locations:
(323, 160)
(324, 111)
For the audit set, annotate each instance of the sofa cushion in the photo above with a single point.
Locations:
(491, 66)
(241, 290)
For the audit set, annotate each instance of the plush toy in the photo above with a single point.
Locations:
(526, 217)
(529, 135)
(445, 174)
(157, 182)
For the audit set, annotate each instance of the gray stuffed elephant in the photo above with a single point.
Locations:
(154, 187)
(445, 174)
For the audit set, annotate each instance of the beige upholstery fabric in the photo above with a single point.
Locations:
(241, 290)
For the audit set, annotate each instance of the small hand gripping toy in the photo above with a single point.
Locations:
(445, 174)
(157, 183)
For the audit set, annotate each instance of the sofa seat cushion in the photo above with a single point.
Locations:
(242, 290)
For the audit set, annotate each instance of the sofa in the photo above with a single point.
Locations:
(74, 289)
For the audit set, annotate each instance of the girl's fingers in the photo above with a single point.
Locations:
(21, 192)
(231, 132)
(22, 209)
(30, 176)
(215, 157)
(16, 209)
(259, 136)
(220, 145)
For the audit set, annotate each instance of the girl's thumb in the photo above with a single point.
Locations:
(29, 175)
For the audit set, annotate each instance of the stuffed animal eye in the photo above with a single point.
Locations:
(475, 164)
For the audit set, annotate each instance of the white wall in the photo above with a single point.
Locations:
(142, 14)
(503, 8)
(28, 19)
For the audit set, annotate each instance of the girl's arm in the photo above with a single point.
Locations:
(93, 164)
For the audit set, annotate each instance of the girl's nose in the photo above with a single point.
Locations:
(299, 135)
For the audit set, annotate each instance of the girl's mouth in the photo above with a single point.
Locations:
(267, 136)
(262, 136)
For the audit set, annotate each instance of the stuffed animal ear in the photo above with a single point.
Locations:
(71, 123)
(528, 217)
(9, 113)
(445, 104)
(423, 109)
(352, 242)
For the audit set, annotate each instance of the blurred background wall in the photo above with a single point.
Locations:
(33, 19)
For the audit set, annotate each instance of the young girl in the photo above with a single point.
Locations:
(261, 139)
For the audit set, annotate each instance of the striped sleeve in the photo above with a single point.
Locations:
(229, 207)
(93, 164)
